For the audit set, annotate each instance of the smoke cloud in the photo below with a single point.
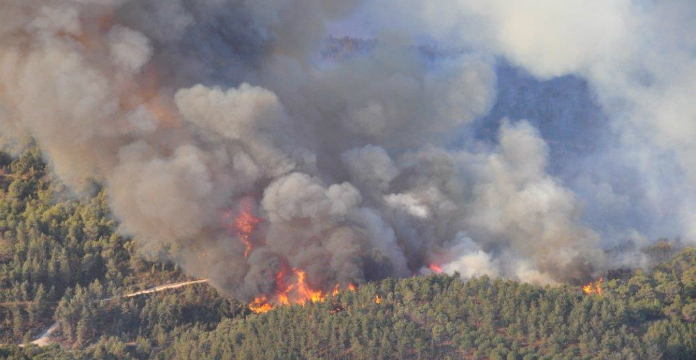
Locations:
(361, 166)
(636, 58)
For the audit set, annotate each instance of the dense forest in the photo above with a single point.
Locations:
(62, 260)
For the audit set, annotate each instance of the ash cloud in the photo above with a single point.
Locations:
(185, 110)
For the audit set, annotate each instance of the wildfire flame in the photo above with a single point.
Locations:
(244, 225)
(435, 268)
(260, 305)
(594, 288)
(378, 299)
(297, 292)
(305, 292)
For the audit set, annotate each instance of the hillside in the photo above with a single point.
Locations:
(60, 257)
(441, 317)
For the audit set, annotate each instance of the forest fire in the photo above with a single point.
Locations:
(435, 268)
(297, 292)
(291, 284)
(260, 305)
(594, 288)
(244, 225)
(305, 292)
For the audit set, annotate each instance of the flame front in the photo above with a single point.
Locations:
(291, 284)
(260, 305)
(594, 288)
(306, 293)
(298, 291)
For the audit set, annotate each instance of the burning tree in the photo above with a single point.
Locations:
(594, 288)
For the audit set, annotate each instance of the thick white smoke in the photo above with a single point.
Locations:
(638, 58)
(189, 110)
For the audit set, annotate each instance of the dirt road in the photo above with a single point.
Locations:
(47, 337)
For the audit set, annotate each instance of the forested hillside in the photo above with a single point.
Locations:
(441, 317)
(61, 257)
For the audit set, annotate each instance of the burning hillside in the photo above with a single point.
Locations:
(292, 288)
(229, 144)
(348, 185)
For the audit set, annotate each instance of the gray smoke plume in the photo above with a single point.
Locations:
(194, 112)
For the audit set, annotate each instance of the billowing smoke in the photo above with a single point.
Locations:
(227, 141)
(636, 57)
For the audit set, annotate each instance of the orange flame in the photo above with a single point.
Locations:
(291, 285)
(244, 225)
(260, 305)
(435, 268)
(304, 291)
(378, 299)
(594, 288)
(298, 292)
